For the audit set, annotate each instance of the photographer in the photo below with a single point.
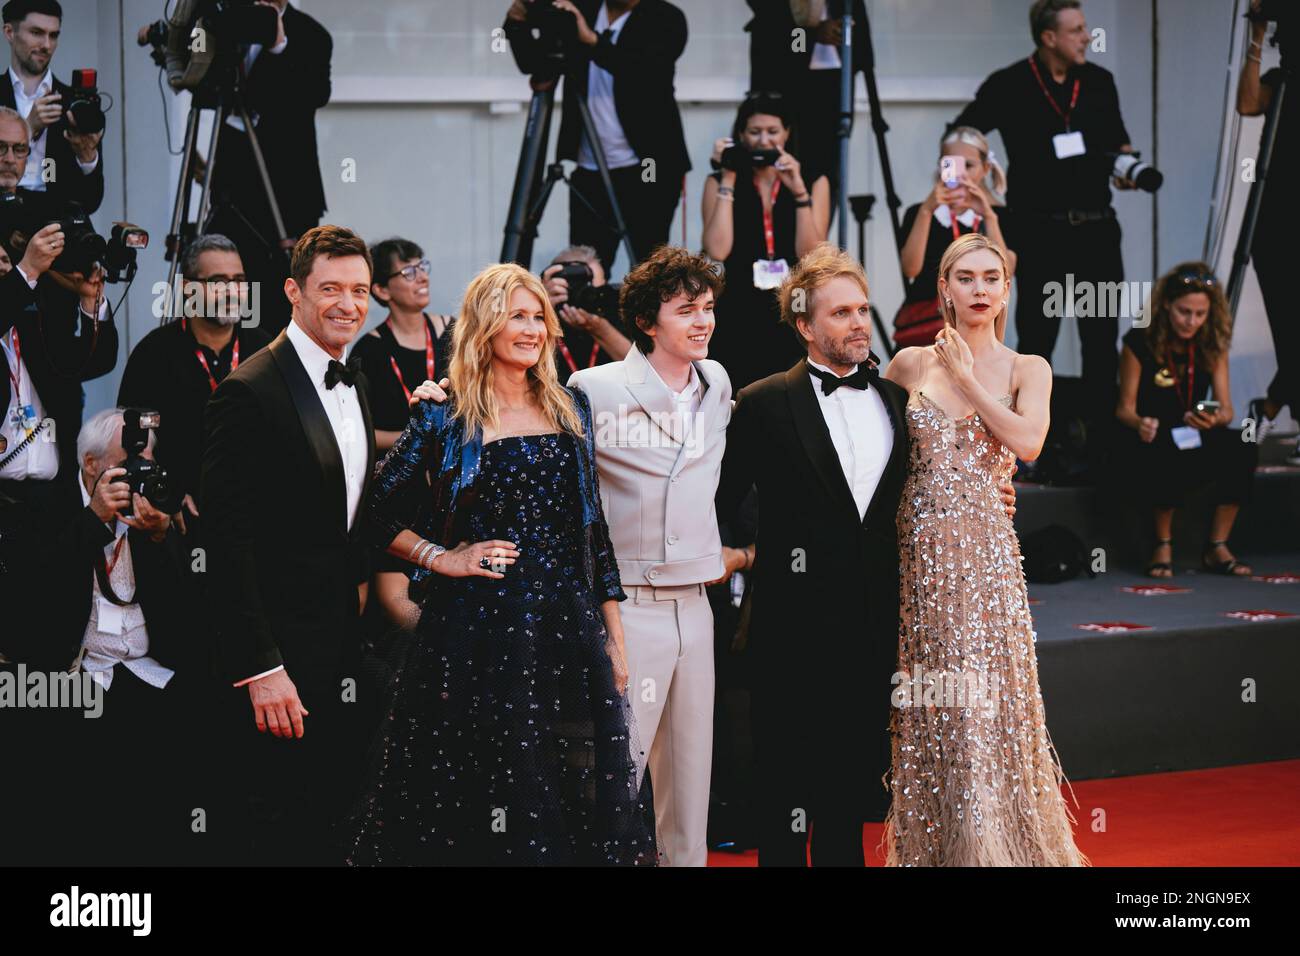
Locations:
(621, 55)
(32, 28)
(590, 338)
(45, 352)
(287, 81)
(1060, 121)
(175, 367)
(762, 212)
(1270, 246)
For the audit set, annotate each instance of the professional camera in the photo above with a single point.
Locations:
(84, 102)
(21, 218)
(557, 31)
(143, 476)
(599, 300)
(741, 159)
(222, 26)
(1129, 167)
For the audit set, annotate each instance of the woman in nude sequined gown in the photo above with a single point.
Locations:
(974, 778)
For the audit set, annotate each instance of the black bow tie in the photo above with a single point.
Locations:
(860, 378)
(338, 372)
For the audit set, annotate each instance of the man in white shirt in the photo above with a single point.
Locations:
(64, 161)
(288, 451)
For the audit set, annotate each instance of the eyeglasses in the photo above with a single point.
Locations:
(409, 272)
(222, 280)
(20, 150)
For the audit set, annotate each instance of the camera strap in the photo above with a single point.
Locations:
(31, 437)
(103, 571)
(13, 349)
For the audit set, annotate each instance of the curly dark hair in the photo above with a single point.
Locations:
(1214, 338)
(666, 272)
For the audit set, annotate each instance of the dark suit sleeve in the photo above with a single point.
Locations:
(86, 189)
(985, 110)
(136, 388)
(301, 71)
(649, 54)
(739, 461)
(234, 518)
(76, 345)
(15, 296)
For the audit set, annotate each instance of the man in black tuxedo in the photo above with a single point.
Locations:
(65, 162)
(623, 60)
(826, 445)
(288, 452)
(286, 81)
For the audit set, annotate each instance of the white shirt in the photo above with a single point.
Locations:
(862, 432)
(600, 100)
(32, 178)
(116, 634)
(825, 57)
(943, 216)
(40, 459)
(688, 400)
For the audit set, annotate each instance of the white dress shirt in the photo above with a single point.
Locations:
(600, 100)
(688, 400)
(32, 178)
(344, 412)
(824, 55)
(862, 432)
(116, 634)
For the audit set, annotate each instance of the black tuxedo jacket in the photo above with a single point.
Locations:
(60, 348)
(285, 90)
(823, 637)
(69, 183)
(282, 568)
(643, 64)
(70, 541)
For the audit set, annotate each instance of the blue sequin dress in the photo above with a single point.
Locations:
(505, 742)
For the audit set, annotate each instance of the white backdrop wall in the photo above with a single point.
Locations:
(432, 116)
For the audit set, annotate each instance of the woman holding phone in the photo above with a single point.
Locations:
(1179, 438)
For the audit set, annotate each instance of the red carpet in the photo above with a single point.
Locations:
(1228, 816)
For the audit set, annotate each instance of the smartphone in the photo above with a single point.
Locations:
(950, 170)
(1209, 405)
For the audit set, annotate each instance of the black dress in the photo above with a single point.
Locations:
(505, 742)
(1167, 473)
(749, 339)
(925, 287)
(389, 403)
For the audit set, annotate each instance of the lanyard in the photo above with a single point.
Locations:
(203, 359)
(957, 235)
(568, 356)
(428, 357)
(1191, 369)
(768, 235)
(117, 553)
(1074, 97)
(14, 353)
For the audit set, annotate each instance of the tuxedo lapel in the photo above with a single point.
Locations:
(894, 399)
(315, 425)
(368, 425)
(816, 437)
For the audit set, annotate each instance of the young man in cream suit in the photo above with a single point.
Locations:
(660, 417)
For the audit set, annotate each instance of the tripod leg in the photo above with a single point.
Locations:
(589, 129)
(280, 233)
(520, 230)
(205, 203)
(180, 208)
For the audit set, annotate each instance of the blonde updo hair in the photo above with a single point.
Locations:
(973, 137)
(971, 242)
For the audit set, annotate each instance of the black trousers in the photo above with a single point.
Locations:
(1169, 476)
(1269, 253)
(1048, 251)
(647, 207)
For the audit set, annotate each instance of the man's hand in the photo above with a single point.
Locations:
(557, 289)
(428, 391)
(84, 145)
(733, 560)
(279, 23)
(46, 111)
(110, 496)
(579, 318)
(187, 505)
(585, 33)
(518, 11)
(90, 290)
(42, 250)
(147, 518)
(276, 705)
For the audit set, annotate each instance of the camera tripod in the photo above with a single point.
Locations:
(532, 190)
(224, 100)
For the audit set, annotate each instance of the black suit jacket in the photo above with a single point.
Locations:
(284, 90)
(69, 183)
(61, 349)
(774, 65)
(68, 543)
(643, 64)
(823, 637)
(282, 568)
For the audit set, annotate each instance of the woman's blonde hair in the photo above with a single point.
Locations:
(973, 137)
(971, 242)
(483, 313)
(1214, 337)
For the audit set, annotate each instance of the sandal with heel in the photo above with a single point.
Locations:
(1161, 565)
(1228, 568)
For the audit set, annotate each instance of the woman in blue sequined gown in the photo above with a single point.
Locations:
(508, 737)
(974, 778)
